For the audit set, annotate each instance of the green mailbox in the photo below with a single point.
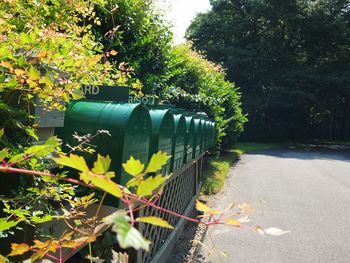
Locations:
(204, 132)
(189, 141)
(129, 126)
(207, 134)
(162, 134)
(212, 135)
(197, 149)
(180, 133)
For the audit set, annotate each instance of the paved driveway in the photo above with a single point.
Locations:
(304, 191)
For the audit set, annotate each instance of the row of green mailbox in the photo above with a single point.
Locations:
(140, 131)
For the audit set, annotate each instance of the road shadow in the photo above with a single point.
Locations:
(331, 152)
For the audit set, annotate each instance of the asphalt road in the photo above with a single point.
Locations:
(304, 191)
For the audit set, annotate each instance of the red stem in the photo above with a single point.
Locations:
(148, 203)
(132, 196)
(46, 255)
(131, 212)
(25, 157)
(7, 169)
(60, 261)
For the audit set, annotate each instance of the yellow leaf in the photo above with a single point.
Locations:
(20, 72)
(147, 186)
(70, 244)
(157, 161)
(103, 182)
(102, 164)
(77, 94)
(34, 74)
(246, 208)
(18, 249)
(67, 235)
(36, 256)
(53, 246)
(153, 220)
(133, 167)
(113, 52)
(7, 65)
(1, 132)
(259, 230)
(232, 222)
(273, 231)
(39, 244)
(73, 161)
(41, 54)
(202, 207)
(3, 154)
(3, 259)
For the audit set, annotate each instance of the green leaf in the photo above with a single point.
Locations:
(127, 235)
(32, 133)
(34, 74)
(77, 94)
(5, 225)
(147, 186)
(102, 164)
(44, 149)
(3, 154)
(21, 60)
(25, 38)
(110, 174)
(157, 161)
(1, 132)
(73, 161)
(103, 182)
(16, 158)
(133, 182)
(43, 219)
(157, 221)
(133, 167)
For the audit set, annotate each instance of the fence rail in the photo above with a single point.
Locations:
(179, 195)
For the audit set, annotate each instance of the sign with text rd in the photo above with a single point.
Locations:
(106, 93)
(115, 93)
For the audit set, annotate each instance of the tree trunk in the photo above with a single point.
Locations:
(347, 120)
(331, 123)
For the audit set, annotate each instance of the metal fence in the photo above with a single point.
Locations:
(179, 195)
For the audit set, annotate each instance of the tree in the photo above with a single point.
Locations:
(290, 59)
(142, 37)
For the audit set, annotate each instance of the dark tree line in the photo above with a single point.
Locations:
(175, 74)
(291, 59)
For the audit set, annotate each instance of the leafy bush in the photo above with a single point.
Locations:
(196, 84)
(142, 37)
(175, 74)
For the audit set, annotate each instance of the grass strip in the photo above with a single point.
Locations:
(216, 167)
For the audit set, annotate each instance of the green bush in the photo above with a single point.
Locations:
(197, 84)
(175, 74)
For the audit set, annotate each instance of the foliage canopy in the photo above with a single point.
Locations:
(291, 59)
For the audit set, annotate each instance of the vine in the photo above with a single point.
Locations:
(142, 189)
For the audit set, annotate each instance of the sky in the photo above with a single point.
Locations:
(181, 13)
